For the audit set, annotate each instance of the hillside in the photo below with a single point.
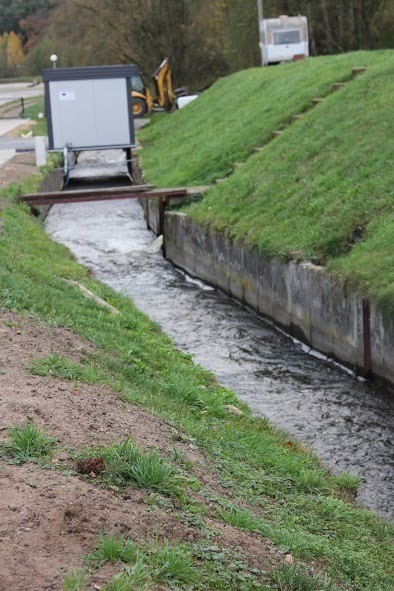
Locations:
(322, 191)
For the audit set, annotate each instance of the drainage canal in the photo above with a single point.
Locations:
(346, 421)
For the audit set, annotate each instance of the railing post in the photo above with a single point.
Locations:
(367, 338)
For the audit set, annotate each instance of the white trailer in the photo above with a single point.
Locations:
(284, 39)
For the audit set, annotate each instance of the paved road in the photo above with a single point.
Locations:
(20, 89)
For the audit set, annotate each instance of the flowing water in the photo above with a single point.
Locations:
(347, 422)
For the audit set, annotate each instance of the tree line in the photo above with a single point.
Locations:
(204, 38)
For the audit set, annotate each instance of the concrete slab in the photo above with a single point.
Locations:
(17, 143)
(6, 155)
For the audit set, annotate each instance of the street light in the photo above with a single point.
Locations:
(53, 59)
(260, 16)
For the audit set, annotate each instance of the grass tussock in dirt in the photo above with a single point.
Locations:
(28, 443)
(125, 464)
(260, 497)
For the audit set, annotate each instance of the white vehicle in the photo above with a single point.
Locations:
(284, 39)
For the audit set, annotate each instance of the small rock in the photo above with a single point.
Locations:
(289, 559)
(234, 409)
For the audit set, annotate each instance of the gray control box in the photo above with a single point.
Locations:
(89, 108)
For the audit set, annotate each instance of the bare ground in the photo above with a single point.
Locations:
(51, 518)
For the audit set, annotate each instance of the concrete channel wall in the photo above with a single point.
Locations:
(300, 297)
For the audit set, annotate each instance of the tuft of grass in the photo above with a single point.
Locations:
(75, 580)
(126, 464)
(310, 480)
(301, 545)
(57, 366)
(135, 578)
(296, 578)
(173, 564)
(244, 519)
(28, 443)
(113, 548)
(348, 481)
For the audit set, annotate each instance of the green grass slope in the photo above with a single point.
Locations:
(202, 142)
(323, 191)
(273, 487)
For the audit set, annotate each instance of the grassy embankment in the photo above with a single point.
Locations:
(265, 483)
(322, 191)
(32, 112)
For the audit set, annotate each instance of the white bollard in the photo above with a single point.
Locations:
(40, 148)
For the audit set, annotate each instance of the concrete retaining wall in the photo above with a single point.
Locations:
(52, 182)
(301, 297)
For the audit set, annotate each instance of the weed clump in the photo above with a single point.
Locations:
(112, 548)
(57, 366)
(146, 563)
(135, 578)
(173, 563)
(296, 578)
(75, 580)
(347, 481)
(125, 464)
(28, 443)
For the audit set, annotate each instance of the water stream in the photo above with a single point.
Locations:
(347, 422)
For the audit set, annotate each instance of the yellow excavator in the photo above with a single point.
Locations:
(163, 98)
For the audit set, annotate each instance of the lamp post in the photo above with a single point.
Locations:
(53, 59)
(260, 17)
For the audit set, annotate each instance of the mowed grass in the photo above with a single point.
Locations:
(291, 498)
(33, 111)
(321, 192)
(203, 141)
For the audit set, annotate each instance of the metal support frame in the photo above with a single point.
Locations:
(367, 338)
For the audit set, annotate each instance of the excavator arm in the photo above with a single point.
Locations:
(162, 78)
